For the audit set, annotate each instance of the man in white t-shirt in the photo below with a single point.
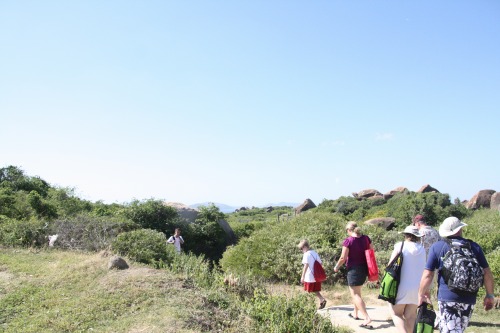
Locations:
(176, 239)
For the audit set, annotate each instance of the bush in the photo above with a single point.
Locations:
(272, 253)
(482, 227)
(205, 236)
(282, 314)
(144, 245)
(153, 214)
(31, 232)
(87, 232)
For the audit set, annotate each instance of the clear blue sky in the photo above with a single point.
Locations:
(251, 102)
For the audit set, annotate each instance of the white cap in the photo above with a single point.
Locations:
(411, 229)
(450, 226)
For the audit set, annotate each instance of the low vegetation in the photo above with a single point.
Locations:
(211, 287)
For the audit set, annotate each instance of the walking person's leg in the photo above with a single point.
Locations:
(359, 304)
(410, 316)
(397, 312)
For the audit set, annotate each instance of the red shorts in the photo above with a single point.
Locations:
(312, 286)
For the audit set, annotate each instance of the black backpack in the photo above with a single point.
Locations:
(461, 270)
(425, 319)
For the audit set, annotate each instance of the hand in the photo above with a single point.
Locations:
(424, 298)
(302, 280)
(488, 303)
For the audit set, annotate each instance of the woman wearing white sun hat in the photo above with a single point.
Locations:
(404, 312)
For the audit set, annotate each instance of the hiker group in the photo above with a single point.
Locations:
(410, 277)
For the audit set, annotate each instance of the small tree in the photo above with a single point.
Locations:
(205, 236)
(153, 214)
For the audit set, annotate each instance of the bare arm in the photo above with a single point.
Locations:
(424, 293)
(304, 270)
(343, 258)
(489, 286)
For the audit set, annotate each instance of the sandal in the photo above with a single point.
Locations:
(355, 318)
(367, 326)
(322, 304)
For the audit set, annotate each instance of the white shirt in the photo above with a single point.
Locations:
(411, 271)
(309, 258)
(177, 241)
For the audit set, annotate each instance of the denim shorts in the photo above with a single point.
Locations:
(356, 275)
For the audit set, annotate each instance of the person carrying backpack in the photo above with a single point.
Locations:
(462, 270)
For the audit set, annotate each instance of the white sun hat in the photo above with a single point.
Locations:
(450, 226)
(411, 229)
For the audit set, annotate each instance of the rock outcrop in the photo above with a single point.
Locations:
(391, 193)
(186, 213)
(306, 205)
(427, 189)
(495, 201)
(369, 193)
(480, 199)
(385, 222)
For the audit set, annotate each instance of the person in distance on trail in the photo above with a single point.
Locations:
(429, 234)
(455, 307)
(176, 239)
(307, 278)
(404, 312)
(353, 254)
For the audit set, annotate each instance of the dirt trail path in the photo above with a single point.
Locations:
(339, 315)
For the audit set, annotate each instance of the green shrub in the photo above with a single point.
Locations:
(272, 252)
(482, 227)
(153, 214)
(282, 314)
(31, 232)
(494, 263)
(205, 236)
(144, 245)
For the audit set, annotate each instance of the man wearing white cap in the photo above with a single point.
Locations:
(455, 306)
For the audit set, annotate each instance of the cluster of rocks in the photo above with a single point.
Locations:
(482, 199)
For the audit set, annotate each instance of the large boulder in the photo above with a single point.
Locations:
(365, 194)
(480, 199)
(427, 189)
(186, 213)
(495, 201)
(391, 193)
(231, 237)
(385, 222)
(306, 205)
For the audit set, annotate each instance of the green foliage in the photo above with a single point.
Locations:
(152, 214)
(42, 208)
(280, 314)
(244, 230)
(67, 203)
(14, 178)
(88, 232)
(272, 252)
(482, 227)
(22, 233)
(144, 245)
(494, 263)
(402, 206)
(205, 236)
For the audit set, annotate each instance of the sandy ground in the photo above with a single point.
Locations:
(381, 319)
